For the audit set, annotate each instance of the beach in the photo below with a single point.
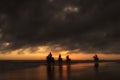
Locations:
(77, 71)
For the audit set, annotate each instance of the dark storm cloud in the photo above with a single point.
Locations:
(87, 25)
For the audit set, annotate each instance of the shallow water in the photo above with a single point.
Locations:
(80, 71)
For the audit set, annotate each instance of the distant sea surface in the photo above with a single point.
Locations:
(78, 71)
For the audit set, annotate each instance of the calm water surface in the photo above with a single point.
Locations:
(81, 71)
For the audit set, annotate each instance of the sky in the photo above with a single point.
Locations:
(80, 28)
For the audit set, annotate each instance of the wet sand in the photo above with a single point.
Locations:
(78, 71)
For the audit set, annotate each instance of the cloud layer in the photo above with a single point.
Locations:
(85, 25)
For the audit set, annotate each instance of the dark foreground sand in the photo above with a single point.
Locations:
(78, 71)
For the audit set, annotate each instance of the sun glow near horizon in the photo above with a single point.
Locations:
(40, 53)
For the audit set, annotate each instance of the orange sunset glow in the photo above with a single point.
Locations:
(42, 52)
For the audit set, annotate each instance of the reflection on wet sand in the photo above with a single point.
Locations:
(96, 69)
(60, 71)
(96, 66)
(51, 72)
(80, 71)
(68, 72)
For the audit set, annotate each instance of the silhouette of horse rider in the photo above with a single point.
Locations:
(68, 60)
(50, 59)
(96, 61)
(60, 60)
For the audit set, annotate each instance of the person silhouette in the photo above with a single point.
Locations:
(96, 59)
(60, 59)
(50, 59)
(96, 62)
(68, 60)
(50, 54)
